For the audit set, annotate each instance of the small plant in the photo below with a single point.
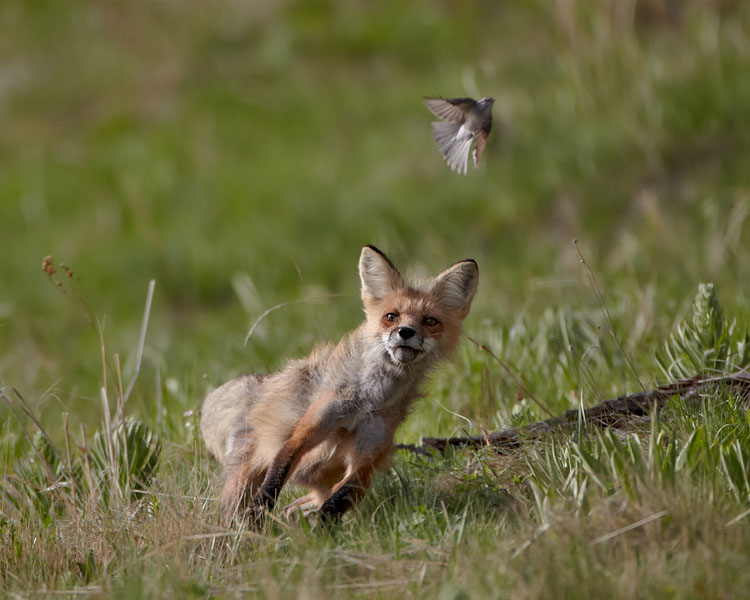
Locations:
(44, 482)
(706, 344)
(119, 463)
(39, 480)
(135, 451)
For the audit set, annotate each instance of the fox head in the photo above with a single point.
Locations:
(415, 324)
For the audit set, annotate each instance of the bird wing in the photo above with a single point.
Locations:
(481, 140)
(450, 109)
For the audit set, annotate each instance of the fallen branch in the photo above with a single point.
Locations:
(609, 413)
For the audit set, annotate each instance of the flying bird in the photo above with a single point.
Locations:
(465, 120)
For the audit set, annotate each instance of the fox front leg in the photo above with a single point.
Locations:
(283, 464)
(372, 447)
(309, 432)
(347, 495)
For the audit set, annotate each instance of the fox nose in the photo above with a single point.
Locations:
(405, 332)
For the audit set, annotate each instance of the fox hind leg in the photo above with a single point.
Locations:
(239, 486)
(242, 477)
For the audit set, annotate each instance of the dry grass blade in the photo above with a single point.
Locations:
(607, 316)
(738, 518)
(630, 527)
(69, 464)
(268, 311)
(513, 375)
(108, 431)
(142, 340)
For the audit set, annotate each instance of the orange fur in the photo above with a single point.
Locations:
(326, 422)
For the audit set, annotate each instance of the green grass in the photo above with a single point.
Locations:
(241, 155)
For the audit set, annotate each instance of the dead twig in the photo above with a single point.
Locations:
(609, 413)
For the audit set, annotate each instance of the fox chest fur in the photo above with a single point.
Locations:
(366, 399)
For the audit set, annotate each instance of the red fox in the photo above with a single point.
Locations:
(326, 422)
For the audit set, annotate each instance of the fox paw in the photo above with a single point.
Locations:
(255, 514)
(251, 515)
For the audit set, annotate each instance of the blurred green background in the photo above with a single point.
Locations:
(241, 153)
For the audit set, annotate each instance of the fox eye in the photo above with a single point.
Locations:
(391, 316)
(430, 321)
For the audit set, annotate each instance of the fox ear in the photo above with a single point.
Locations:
(379, 276)
(455, 286)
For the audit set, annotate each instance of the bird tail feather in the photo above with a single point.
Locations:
(453, 145)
